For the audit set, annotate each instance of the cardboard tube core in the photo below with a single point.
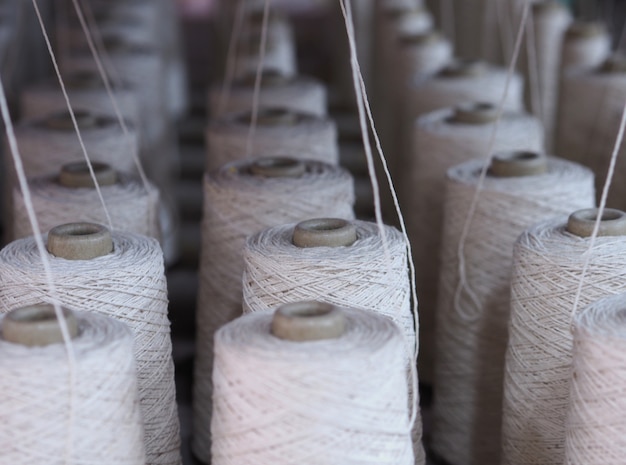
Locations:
(37, 325)
(582, 222)
(324, 232)
(79, 241)
(277, 167)
(63, 121)
(77, 175)
(518, 163)
(308, 321)
(475, 113)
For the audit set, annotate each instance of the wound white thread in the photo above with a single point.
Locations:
(129, 285)
(108, 426)
(442, 142)
(339, 400)
(472, 332)
(594, 426)
(585, 46)
(305, 137)
(136, 210)
(548, 266)
(237, 204)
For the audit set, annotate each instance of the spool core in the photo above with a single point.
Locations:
(37, 325)
(277, 167)
(475, 113)
(324, 232)
(582, 222)
(421, 39)
(79, 241)
(518, 163)
(272, 117)
(464, 68)
(63, 121)
(308, 321)
(585, 30)
(76, 175)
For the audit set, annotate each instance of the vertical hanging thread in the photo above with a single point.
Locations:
(472, 315)
(124, 280)
(595, 421)
(240, 199)
(337, 394)
(443, 139)
(548, 262)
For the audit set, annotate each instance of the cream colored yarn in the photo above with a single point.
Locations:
(131, 206)
(440, 144)
(236, 205)
(311, 138)
(38, 399)
(440, 91)
(334, 401)
(590, 115)
(357, 276)
(300, 93)
(472, 331)
(129, 285)
(44, 149)
(548, 263)
(46, 98)
(595, 428)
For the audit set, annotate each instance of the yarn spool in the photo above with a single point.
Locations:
(70, 196)
(465, 81)
(38, 422)
(363, 411)
(127, 284)
(278, 131)
(300, 94)
(85, 90)
(521, 189)
(594, 428)
(548, 262)
(443, 139)
(240, 199)
(542, 68)
(279, 53)
(586, 45)
(590, 116)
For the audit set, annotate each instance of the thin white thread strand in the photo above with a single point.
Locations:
(349, 413)
(71, 111)
(231, 57)
(43, 253)
(603, 199)
(257, 79)
(488, 156)
(537, 97)
(363, 102)
(107, 85)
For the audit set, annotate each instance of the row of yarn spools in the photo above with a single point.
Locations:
(110, 394)
(473, 308)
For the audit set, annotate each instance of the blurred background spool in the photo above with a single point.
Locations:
(116, 274)
(360, 374)
(541, 62)
(521, 189)
(590, 116)
(547, 266)
(586, 45)
(240, 199)
(465, 81)
(278, 132)
(85, 89)
(70, 196)
(299, 93)
(96, 418)
(443, 139)
(595, 420)
(279, 54)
